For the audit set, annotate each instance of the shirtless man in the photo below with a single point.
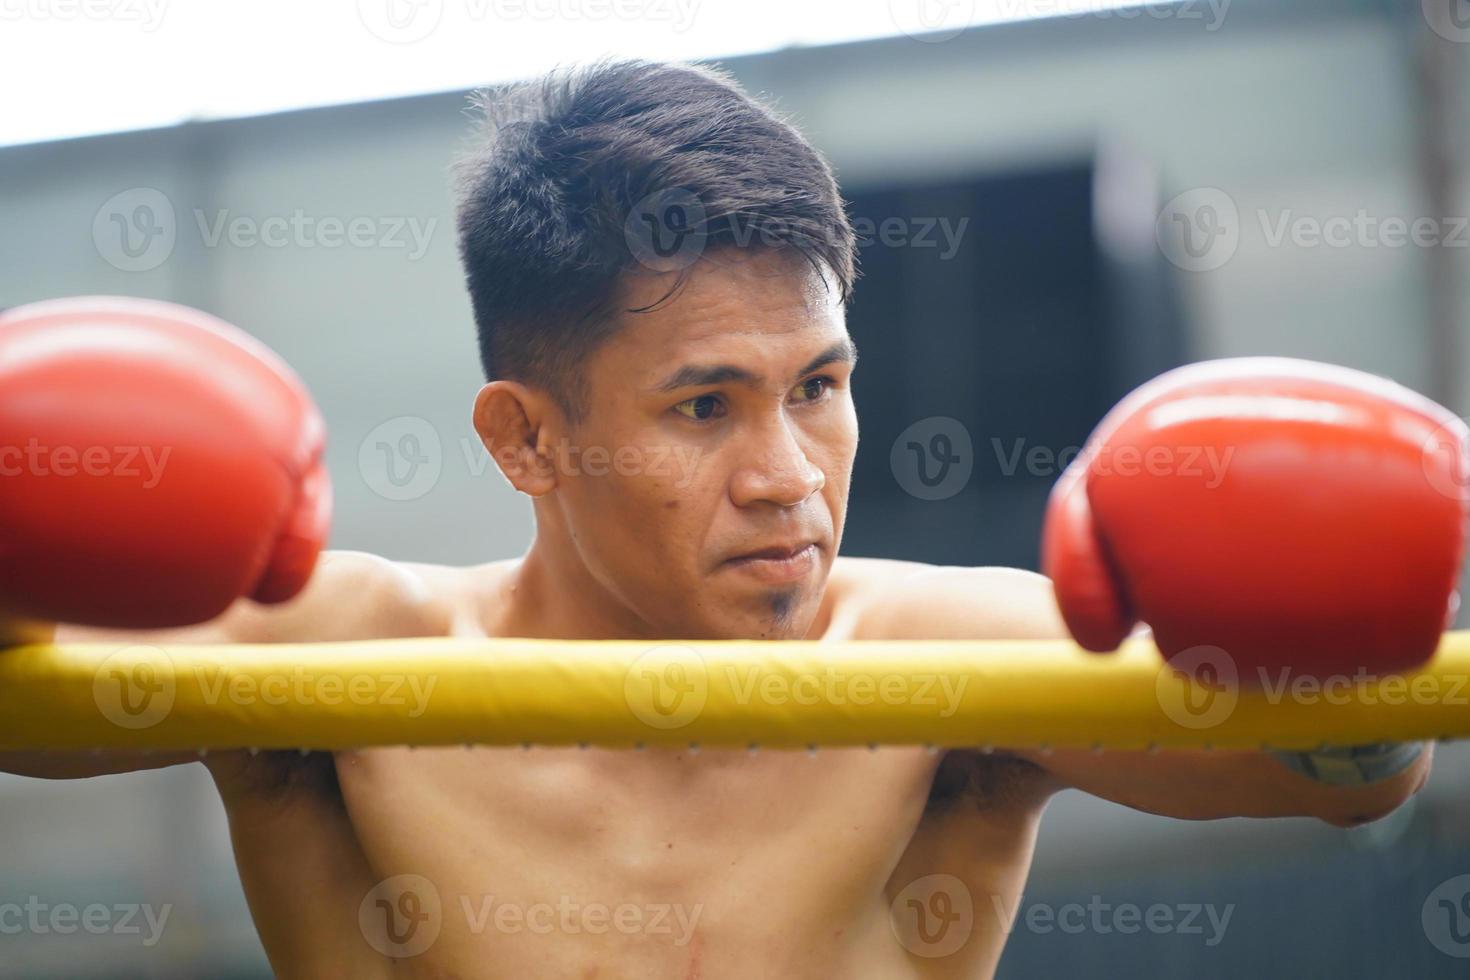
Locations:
(772, 864)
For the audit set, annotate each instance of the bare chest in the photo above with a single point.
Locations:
(655, 859)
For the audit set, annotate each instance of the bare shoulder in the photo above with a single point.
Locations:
(352, 595)
(914, 600)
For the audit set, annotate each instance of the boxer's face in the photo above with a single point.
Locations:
(731, 407)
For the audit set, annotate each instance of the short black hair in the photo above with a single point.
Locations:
(548, 200)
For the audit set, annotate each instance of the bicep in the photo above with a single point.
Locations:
(351, 595)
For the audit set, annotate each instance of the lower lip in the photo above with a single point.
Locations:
(777, 570)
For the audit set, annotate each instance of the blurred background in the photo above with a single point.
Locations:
(1059, 200)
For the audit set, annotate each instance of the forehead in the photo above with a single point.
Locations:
(732, 303)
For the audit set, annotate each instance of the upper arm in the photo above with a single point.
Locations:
(351, 595)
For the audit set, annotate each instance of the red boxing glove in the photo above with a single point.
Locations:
(1293, 514)
(156, 464)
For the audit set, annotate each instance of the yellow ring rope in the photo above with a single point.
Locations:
(442, 691)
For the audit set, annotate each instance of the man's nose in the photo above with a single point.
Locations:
(777, 471)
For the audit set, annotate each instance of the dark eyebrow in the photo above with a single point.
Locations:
(699, 375)
(842, 352)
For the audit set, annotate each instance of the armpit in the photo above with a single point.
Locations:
(277, 777)
(985, 781)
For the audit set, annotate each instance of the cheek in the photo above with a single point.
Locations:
(836, 445)
(658, 496)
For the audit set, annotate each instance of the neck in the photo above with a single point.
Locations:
(555, 597)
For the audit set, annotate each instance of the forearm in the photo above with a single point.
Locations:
(72, 764)
(1212, 784)
(42, 764)
(84, 765)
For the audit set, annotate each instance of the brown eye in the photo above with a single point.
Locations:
(815, 388)
(700, 409)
